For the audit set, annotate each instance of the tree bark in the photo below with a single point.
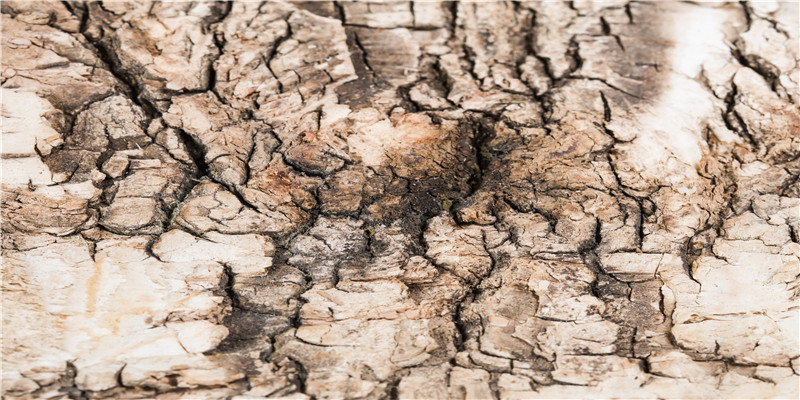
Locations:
(400, 200)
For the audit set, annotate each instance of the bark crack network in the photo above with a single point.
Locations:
(370, 199)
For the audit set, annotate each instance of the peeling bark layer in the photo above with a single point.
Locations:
(400, 199)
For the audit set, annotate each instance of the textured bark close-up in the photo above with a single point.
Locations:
(400, 200)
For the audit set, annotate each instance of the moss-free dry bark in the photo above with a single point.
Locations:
(400, 200)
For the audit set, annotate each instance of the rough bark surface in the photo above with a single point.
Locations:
(400, 199)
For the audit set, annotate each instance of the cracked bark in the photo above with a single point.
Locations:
(400, 200)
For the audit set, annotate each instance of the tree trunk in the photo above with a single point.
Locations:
(400, 200)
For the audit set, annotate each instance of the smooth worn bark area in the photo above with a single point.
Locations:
(412, 200)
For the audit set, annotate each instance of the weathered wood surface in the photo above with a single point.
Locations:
(400, 200)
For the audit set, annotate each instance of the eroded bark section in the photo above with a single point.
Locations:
(400, 200)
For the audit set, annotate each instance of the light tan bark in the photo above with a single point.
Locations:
(400, 200)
